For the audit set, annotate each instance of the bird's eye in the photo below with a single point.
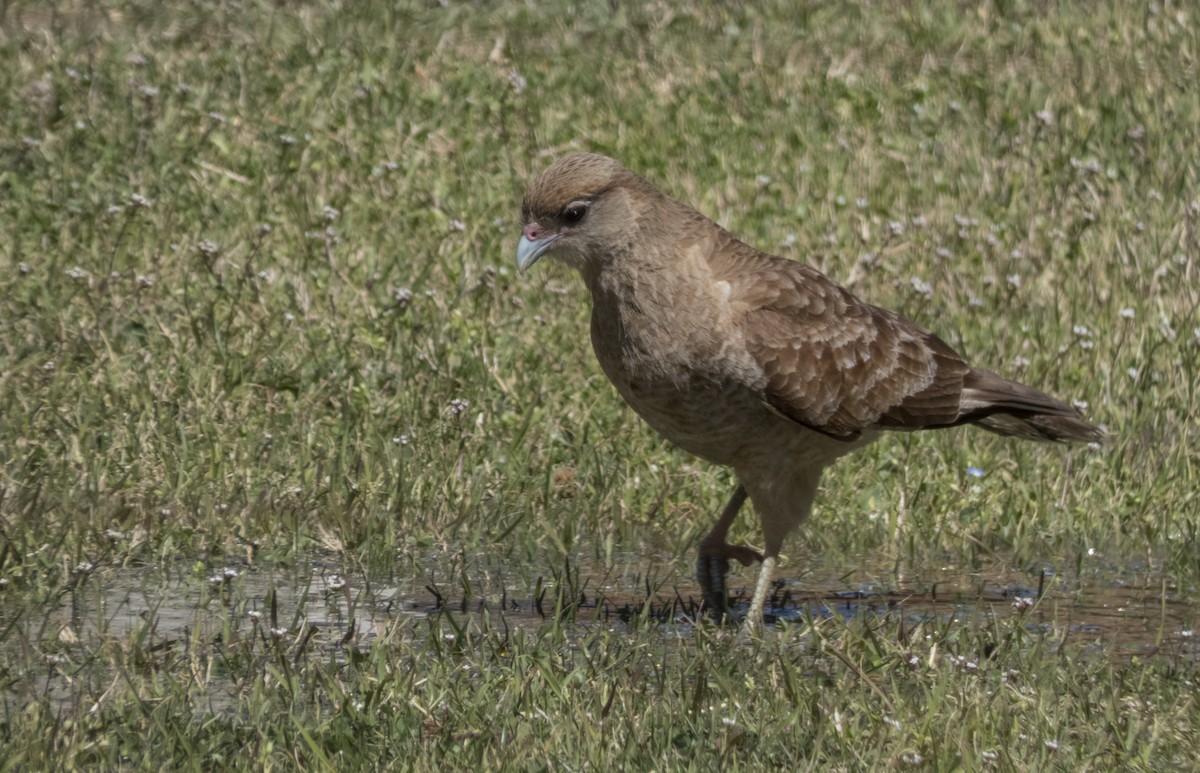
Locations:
(574, 213)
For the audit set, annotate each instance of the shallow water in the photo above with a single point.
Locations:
(314, 607)
(1132, 610)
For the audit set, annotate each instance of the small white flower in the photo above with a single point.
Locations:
(1080, 405)
(1133, 373)
(517, 81)
(1081, 331)
(1022, 602)
(1014, 280)
(330, 214)
(1127, 313)
(1052, 745)
(1044, 117)
(763, 180)
(921, 287)
(1020, 363)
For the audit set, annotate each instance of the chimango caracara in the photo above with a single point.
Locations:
(750, 360)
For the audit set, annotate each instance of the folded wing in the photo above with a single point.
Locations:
(841, 366)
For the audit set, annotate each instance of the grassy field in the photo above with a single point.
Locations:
(270, 386)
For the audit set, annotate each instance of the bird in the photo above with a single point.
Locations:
(753, 361)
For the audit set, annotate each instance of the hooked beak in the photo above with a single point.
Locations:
(529, 250)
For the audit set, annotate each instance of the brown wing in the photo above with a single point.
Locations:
(832, 362)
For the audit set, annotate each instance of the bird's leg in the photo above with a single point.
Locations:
(782, 504)
(754, 618)
(715, 552)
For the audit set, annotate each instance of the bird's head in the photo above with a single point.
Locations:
(580, 210)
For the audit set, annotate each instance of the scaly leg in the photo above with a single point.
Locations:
(754, 618)
(783, 502)
(715, 552)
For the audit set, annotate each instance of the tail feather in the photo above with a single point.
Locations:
(1010, 408)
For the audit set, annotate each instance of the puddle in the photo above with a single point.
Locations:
(315, 608)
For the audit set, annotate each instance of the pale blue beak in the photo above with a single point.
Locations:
(528, 250)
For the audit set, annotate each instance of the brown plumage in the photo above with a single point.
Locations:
(751, 360)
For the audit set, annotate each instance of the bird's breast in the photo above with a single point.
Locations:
(674, 369)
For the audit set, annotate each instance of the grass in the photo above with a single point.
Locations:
(258, 310)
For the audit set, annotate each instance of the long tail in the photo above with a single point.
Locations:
(1010, 408)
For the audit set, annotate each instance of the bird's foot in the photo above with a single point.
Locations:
(711, 568)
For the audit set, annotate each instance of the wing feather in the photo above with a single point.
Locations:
(832, 362)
